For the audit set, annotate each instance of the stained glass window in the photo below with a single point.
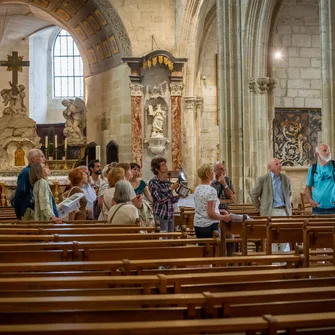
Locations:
(67, 67)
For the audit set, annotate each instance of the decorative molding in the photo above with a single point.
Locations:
(176, 89)
(262, 85)
(176, 132)
(136, 90)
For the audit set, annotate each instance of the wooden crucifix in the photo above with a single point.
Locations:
(14, 64)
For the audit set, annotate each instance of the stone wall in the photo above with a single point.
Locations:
(144, 19)
(109, 111)
(297, 37)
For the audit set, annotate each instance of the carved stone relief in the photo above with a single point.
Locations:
(295, 135)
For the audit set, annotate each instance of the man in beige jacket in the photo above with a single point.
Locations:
(272, 195)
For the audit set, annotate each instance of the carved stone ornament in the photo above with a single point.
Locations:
(136, 90)
(156, 145)
(176, 89)
(262, 85)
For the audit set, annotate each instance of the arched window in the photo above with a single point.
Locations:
(67, 67)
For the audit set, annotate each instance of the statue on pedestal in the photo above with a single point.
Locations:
(157, 126)
(19, 155)
(75, 124)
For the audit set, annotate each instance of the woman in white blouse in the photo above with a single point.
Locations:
(207, 214)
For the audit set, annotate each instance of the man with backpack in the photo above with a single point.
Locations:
(321, 176)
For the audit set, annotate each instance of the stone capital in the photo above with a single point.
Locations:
(190, 102)
(176, 89)
(136, 90)
(262, 85)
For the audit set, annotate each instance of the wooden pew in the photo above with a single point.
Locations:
(315, 323)
(140, 267)
(152, 283)
(95, 251)
(17, 238)
(318, 236)
(170, 306)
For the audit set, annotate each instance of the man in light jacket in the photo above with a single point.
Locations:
(272, 195)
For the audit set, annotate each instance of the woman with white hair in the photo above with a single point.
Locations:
(123, 211)
(207, 214)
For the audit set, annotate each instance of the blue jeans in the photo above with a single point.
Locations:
(318, 210)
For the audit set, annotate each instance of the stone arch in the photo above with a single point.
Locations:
(112, 152)
(259, 20)
(94, 25)
(195, 26)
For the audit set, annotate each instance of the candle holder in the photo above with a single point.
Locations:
(65, 160)
(56, 153)
(3, 196)
(56, 192)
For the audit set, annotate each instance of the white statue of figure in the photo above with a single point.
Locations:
(159, 115)
(75, 116)
(16, 103)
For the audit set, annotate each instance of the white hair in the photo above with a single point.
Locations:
(123, 191)
(32, 154)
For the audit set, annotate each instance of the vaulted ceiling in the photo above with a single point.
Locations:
(94, 24)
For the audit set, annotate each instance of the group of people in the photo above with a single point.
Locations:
(271, 194)
(118, 194)
(115, 193)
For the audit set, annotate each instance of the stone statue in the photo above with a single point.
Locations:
(159, 115)
(75, 121)
(16, 103)
(19, 156)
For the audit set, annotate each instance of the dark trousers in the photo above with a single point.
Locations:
(318, 210)
(206, 232)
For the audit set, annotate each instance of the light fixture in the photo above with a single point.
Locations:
(277, 55)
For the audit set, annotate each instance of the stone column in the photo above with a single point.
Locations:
(136, 91)
(230, 89)
(176, 90)
(189, 139)
(327, 8)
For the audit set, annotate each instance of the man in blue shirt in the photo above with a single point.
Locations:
(322, 180)
(24, 197)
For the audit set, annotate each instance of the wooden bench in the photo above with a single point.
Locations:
(169, 306)
(314, 323)
(139, 267)
(95, 251)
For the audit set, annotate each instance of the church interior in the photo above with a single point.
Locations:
(195, 82)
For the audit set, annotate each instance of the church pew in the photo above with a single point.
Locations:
(316, 323)
(318, 237)
(95, 251)
(139, 267)
(170, 306)
(16, 238)
(160, 282)
(107, 229)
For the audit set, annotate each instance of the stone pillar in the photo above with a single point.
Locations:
(189, 139)
(176, 90)
(230, 90)
(136, 91)
(327, 8)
